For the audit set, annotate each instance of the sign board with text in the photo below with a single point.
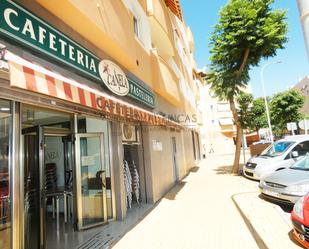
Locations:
(24, 27)
(291, 126)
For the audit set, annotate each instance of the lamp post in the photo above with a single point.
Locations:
(265, 98)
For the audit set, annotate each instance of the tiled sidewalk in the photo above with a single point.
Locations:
(211, 209)
(104, 237)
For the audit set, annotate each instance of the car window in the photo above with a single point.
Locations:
(277, 149)
(302, 164)
(288, 156)
(302, 148)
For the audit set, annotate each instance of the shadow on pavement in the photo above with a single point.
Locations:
(250, 179)
(195, 169)
(292, 238)
(171, 195)
(227, 170)
(224, 170)
(284, 206)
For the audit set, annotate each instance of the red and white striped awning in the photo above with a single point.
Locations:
(30, 76)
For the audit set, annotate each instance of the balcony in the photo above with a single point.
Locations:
(102, 23)
(165, 82)
(190, 39)
(160, 25)
(227, 125)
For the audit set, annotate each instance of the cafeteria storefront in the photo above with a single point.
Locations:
(62, 117)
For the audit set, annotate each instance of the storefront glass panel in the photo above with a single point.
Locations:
(92, 180)
(88, 125)
(47, 176)
(32, 116)
(5, 195)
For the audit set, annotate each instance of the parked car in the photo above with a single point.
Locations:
(300, 221)
(280, 155)
(287, 185)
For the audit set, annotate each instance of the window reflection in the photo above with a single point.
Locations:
(5, 205)
(33, 116)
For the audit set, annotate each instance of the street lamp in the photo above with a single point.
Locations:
(265, 98)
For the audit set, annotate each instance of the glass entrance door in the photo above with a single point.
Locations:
(33, 187)
(91, 180)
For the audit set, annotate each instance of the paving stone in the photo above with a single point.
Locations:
(203, 215)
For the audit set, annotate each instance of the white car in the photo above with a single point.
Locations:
(280, 155)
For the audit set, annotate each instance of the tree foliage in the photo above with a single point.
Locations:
(251, 112)
(244, 101)
(247, 31)
(259, 114)
(285, 108)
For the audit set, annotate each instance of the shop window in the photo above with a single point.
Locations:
(5, 201)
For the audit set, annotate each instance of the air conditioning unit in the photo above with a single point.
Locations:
(129, 133)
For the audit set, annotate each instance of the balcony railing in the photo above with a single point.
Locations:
(165, 81)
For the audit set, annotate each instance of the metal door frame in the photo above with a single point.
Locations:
(39, 131)
(78, 180)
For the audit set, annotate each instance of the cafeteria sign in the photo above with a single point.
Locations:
(22, 26)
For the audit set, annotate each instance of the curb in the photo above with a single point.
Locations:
(253, 227)
(257, 238)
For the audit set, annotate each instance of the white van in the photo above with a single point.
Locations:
(282, 154)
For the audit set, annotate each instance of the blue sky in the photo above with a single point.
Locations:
(202, 15)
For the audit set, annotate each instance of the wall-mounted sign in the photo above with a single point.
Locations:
(28, 29)
(23, 27)
(157, 145)
(141, 94)
(113, 77)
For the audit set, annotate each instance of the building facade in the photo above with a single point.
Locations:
(218, 127)
(303, 6)
(303, 88)
(97, 110)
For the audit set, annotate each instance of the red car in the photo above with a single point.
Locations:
(300, 220)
